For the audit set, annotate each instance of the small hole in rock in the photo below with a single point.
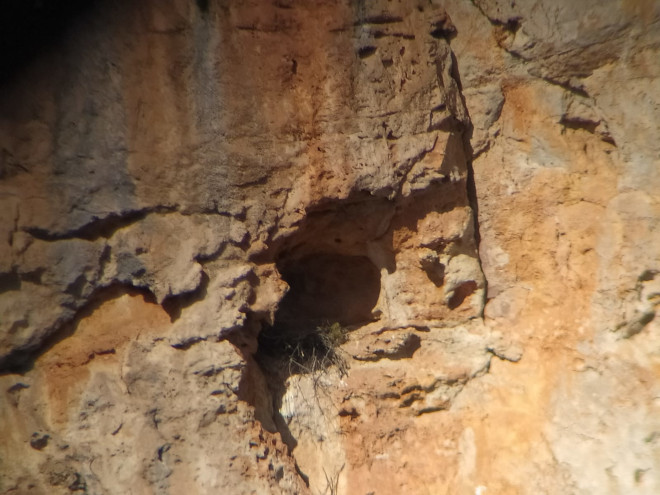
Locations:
(328, 294)
(461, 293)
(203, 5)
(366, 51)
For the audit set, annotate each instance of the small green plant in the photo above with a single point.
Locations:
(332, 334)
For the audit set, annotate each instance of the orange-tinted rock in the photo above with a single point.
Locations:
(238, 250)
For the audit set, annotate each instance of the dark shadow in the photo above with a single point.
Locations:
(463, 291)
(97, 228)
(328, 287)
(459, 296)
(10, 281)
(435, 272)
(174, 305)
(469, 154)
(31, 27)
(443, 28)
(203, 5)
(577, 124)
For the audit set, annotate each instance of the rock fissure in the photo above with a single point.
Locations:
(98, 228)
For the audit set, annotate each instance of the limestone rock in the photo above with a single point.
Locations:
(331, 247)
(566, 226)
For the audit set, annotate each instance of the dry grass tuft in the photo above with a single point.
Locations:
(293, 351)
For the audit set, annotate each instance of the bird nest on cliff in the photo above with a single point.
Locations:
(294, 350)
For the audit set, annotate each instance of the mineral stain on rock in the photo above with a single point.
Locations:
(329, 247)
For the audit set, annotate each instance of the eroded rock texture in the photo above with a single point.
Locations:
(192, 192)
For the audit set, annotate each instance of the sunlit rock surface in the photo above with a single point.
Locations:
(193, 195)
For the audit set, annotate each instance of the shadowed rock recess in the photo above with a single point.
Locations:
(244, 247)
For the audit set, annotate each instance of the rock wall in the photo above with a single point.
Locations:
(564, 97)
(333, 247)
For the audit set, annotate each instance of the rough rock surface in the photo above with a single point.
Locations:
(178, 179)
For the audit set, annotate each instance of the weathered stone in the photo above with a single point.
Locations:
(332, 247)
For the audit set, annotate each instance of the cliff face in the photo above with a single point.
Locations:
(333, 247)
